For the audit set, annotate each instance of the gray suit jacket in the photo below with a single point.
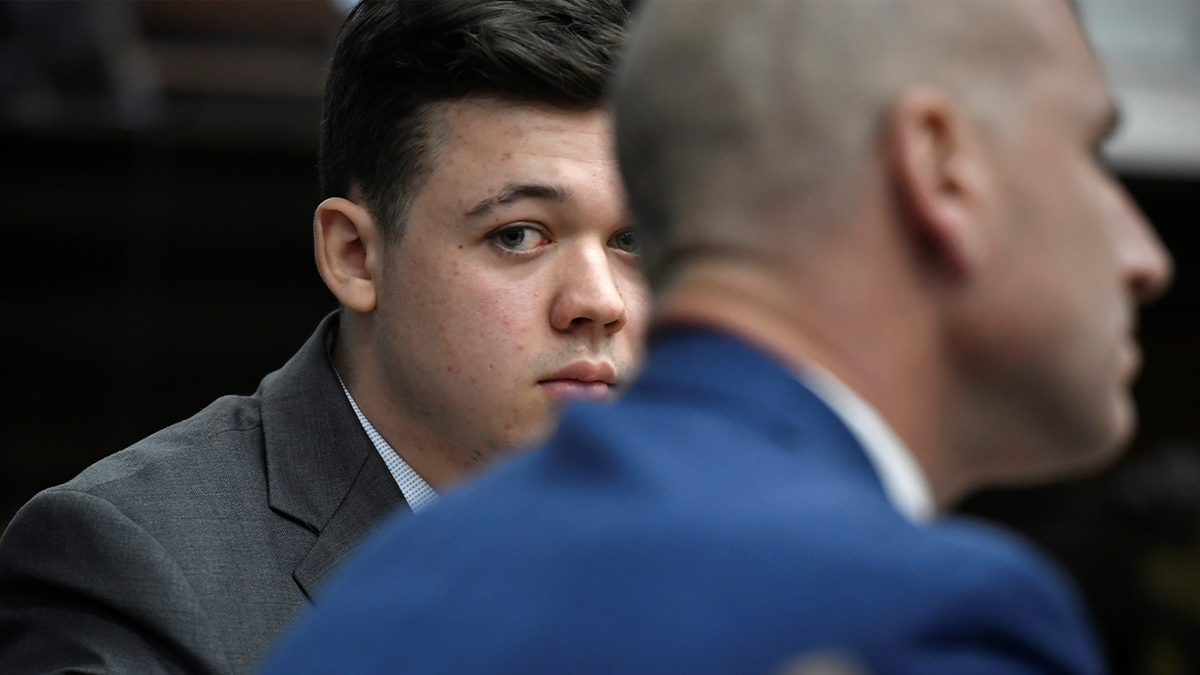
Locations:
(190, 551)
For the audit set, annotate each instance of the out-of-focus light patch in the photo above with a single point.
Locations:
(1159, 133)
(1151, 51)
(1122, 27)
(344, 6)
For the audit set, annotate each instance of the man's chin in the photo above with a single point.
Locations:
(1107, 442)
(1125, 422)
(527, 436)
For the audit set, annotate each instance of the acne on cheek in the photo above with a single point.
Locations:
(450, 349)
(502, 311)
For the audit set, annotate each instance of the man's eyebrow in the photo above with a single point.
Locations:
(514, 193)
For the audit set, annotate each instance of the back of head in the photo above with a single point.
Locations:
(395, 60)
(724, 109)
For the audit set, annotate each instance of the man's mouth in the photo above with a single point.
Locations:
(582, 380)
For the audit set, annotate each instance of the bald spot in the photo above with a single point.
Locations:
(730, 113)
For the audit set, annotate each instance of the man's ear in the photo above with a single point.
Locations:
(939, 171)
(349, 250)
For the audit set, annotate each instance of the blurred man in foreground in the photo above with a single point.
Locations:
(476, 235)
(891, 271)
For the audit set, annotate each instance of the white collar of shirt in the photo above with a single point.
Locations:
(903, 480)
(416, 491)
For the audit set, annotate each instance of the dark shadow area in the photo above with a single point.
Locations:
(158, 182)
(143, 281)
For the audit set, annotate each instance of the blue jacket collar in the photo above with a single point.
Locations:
(701, 363)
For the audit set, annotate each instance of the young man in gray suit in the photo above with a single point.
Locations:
(475, 233)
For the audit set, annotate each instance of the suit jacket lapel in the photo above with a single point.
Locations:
(322, 470)
(373, 495)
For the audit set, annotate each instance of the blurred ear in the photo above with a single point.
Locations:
(349, 249)
(939, 171)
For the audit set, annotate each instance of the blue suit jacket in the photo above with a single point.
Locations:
(718, 519)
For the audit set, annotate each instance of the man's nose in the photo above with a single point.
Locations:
(1142, 255)
(589, 298)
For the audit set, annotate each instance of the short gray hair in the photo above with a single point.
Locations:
(718, 101)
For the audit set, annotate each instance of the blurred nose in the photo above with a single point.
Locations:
(589, 299)
(1143, 257)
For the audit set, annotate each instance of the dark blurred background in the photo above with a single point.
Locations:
(157, 183)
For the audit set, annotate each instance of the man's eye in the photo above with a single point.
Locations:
(626, 240)
(519, 238)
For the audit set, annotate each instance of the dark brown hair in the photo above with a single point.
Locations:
(394, 59)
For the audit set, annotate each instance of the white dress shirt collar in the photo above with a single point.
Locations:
(903, 480)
